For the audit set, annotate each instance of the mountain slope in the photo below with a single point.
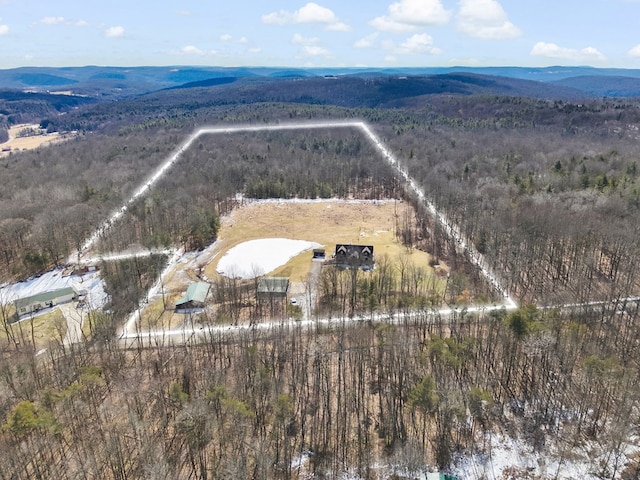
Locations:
(387, 91)
(603, 86)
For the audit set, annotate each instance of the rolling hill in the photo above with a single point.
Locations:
(118, 82)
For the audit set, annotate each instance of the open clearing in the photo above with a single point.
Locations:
(30, 142)
(326, 222)
(41, 329)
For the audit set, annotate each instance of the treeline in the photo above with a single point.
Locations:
(128, 281)
(287, 403)
(185, 205)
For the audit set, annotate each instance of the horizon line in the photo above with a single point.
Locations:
(332, 67)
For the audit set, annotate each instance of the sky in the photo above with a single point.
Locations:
(321, 33)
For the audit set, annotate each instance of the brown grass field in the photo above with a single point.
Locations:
(325, 222)
(29, 143)
(40, 329)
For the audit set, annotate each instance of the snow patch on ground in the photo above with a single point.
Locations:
(258, 257)
(510, 458)
(54, 280)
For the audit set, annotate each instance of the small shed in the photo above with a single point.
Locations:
(273, 287)
(194, 297)
(44, 300)
(318, 254)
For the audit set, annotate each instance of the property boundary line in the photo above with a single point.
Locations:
(452, 230)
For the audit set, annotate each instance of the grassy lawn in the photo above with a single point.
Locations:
(41, 329)
(326, 222)
(155, 316)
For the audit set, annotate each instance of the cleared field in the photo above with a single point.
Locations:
(40, 329)
(17, 143)
(325, 222)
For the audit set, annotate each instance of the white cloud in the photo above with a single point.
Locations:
(52, 20)
(386, 24)
(300, 40)
(63, 21)
(418, 44)
(226, 37)
(314, 13)
(634, 52)
(191, 50)
(366, 42)
(485, 19)
(315, 51)
(309, 46)
(255, 50)
(419, 12)
(408, 15)
(4, 29)
(184, 13)
(114, 32)
(551, 50)
(339, 27)
(310, 13)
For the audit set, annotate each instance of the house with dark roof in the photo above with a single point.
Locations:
(354, 256)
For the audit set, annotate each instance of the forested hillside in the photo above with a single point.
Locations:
(547, 190)
(18, 107)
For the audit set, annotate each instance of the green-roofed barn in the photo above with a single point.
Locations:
(194, 297)
(44, 300)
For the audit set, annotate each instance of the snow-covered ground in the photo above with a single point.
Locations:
(504, 458)
(509, 458)
(258, 257)
(53, 280)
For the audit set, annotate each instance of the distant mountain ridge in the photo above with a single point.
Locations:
(603, 86)
(391, 91)
(99, 81)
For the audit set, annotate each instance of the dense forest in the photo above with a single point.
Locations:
(409, 395)
(546, 190)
